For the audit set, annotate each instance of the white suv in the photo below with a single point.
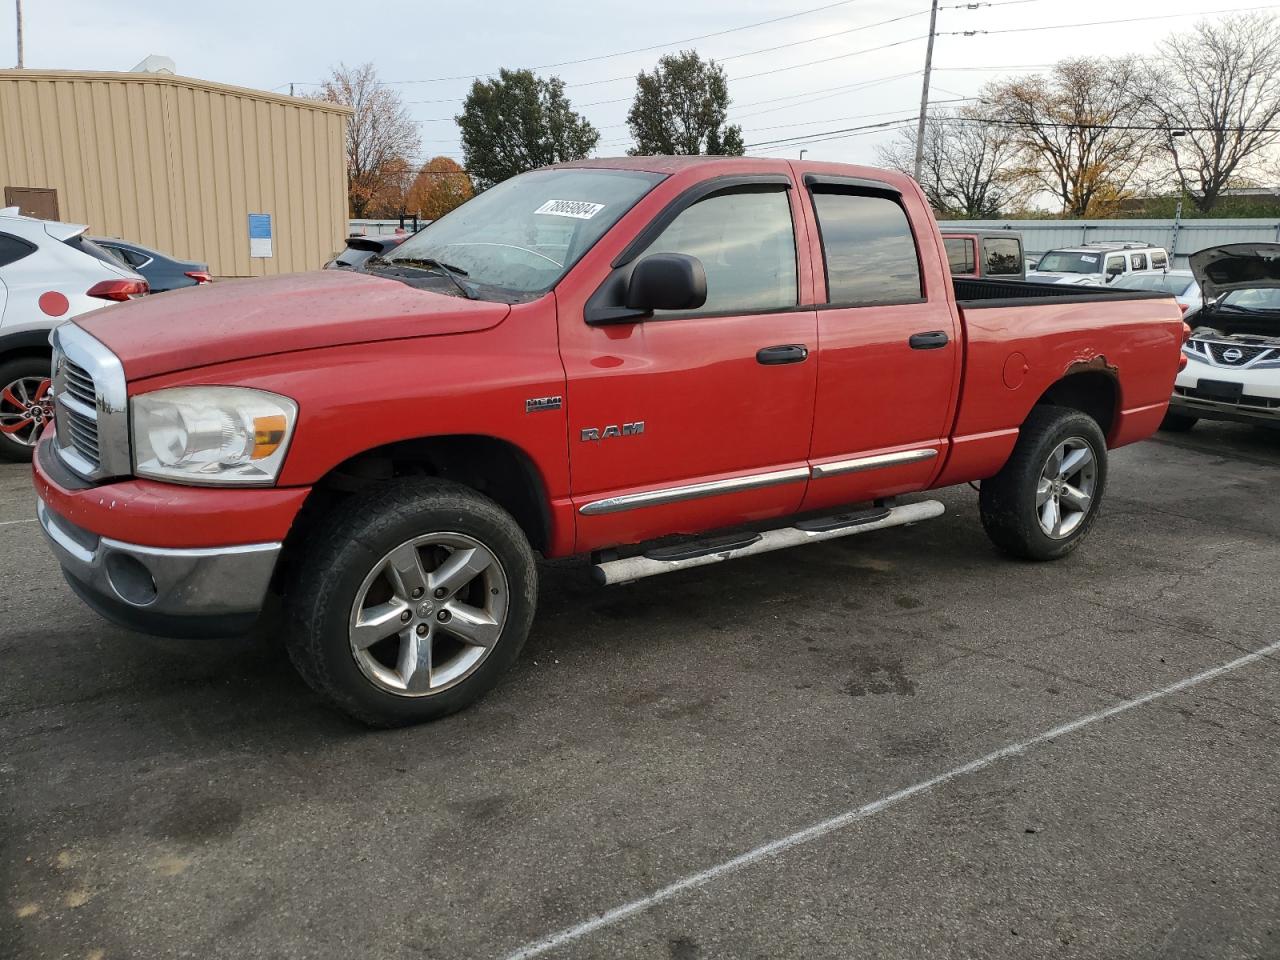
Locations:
(49, 273)
(1095, 264)
(1233, 356)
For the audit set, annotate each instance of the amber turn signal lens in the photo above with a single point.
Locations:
(268, 434)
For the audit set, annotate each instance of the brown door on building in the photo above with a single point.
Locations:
(40, 202)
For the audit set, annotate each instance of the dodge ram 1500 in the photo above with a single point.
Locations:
(726, 355)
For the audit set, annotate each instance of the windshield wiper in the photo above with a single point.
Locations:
(431, 263)
(1239, 309)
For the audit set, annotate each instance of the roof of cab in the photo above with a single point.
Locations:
(671, 165)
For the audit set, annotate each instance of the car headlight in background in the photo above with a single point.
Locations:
(211, 435)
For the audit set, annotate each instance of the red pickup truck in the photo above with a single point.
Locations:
(585, 359)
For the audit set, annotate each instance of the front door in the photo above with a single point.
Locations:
(890, 352)
(691, 420)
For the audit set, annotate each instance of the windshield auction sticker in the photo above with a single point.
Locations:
(577, 209)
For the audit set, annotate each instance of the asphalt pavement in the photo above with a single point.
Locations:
(897, 745)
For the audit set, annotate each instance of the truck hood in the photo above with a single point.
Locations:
(240, 319)
(1236, 266)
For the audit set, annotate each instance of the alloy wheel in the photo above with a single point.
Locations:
(1065, 491)
(428, 614)
(25, 409)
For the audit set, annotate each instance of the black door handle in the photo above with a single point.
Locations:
(783, 353)
(929, 341)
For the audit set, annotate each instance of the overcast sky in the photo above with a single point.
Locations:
(269, 43)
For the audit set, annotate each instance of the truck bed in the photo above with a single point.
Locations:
(971, 293)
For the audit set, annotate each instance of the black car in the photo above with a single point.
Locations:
(360, 248)
(162, 271)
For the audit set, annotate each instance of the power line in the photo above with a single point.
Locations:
(842, 56)
(831, 134)
(1099, 23)
(656, 46)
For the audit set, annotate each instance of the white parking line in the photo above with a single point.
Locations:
(775, 847)
(9, 523)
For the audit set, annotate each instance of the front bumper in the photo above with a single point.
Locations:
(1259, 388)
(176, 592)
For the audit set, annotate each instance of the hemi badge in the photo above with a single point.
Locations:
(543, 403)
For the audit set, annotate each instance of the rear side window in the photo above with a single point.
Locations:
(13, 249)
(1159, 261)
(747, 246)
(85, 245)
(130, 257)
(1138, 261)
(868, 247)
(1002, 257)
(960, 255)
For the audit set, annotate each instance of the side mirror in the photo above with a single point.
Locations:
(667, 281)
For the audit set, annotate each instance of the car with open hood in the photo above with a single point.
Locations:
(1233, 354)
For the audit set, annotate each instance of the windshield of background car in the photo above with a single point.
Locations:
(518, 238)
(1264, 299)
(1163, 283)
(1061, 261)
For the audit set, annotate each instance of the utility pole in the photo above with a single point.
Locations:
(924, 93)
(19, 5)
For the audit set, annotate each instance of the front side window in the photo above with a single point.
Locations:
(960, 255)
(517, 239)
(1115, 266)
(1002, 257)
(747, 245)
(868, 247)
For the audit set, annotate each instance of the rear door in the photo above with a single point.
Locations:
(690, 420)
(889, 344)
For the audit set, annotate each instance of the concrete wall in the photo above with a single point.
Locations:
(178, 164)
(1188, 237)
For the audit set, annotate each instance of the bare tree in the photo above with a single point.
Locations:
(380, 135)
(966, 171)
(1082, 133)
(1221, 107)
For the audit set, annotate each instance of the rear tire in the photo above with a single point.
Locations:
(21, 423)
(1178, 422)
(1038, 511)
(411, 601)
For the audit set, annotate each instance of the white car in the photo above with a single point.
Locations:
(1233, 355)
(1098, 263)
(49, 273)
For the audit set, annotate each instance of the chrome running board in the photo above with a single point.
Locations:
(665, 560)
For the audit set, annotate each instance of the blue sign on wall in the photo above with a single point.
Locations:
(259, 234)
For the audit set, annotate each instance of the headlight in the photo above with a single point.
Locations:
(211, 435)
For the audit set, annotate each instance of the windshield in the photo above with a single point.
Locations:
(1265, 299)
(1160, 282)
(1062, 261)
(517, 239)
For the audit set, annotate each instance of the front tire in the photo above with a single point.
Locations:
(411, 601)
(1044, 501)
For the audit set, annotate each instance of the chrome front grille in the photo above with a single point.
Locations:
(1235, 354)
(75, 409)
(78, 383)
(89, 405)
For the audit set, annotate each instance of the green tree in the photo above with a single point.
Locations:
(680, 108)
(517, 122)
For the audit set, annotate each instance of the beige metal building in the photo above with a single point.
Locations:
(178, 164)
